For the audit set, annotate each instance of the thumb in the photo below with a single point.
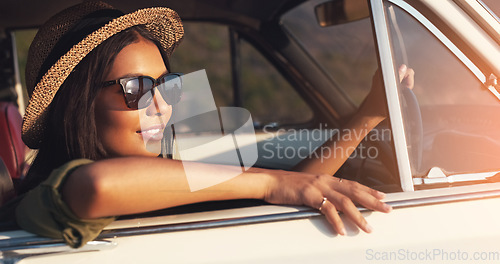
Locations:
(406, 76)
(402, 72)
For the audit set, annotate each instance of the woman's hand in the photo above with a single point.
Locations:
(374, 103)
(341, 195)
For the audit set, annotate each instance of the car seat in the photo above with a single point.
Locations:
(12, 150)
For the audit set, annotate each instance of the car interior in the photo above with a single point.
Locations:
(244, 32)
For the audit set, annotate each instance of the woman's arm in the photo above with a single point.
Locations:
(138, 184)
(371, 112)
(340, 146)
(131, 185)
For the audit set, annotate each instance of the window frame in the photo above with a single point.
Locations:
(381, 23)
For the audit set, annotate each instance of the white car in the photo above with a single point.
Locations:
(302, 68)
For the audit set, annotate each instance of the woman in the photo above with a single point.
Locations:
(92, 163)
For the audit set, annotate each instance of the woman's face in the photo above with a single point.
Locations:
(124, 131)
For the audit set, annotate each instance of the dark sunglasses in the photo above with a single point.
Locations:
(134, 88)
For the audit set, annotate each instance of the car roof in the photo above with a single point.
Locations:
(32, 13)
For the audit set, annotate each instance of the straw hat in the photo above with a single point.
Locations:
(63, 41)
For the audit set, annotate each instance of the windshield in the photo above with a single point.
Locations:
(346, 51)
(451, 119)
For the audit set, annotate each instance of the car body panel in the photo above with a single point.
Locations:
(311, 238)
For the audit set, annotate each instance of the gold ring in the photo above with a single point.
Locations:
(322, 203)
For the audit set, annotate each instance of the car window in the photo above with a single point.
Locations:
(22, 39)
(206, 46)
(264, 92)
(345, 51)
(452, 126)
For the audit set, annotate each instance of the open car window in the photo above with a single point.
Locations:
(345, 51)
(254, 83)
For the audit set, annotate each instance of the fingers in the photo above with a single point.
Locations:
(402, 71)
(338, 202)
(344, 204)
(406, 76)
(333, 217)
(341, 197)
(363, 195)
(316, 199)
(353, 185)
(371, 202)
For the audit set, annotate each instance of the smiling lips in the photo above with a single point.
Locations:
(152, 133)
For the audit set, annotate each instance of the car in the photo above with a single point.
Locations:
(302, 68)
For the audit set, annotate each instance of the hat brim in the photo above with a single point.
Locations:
(162, 22)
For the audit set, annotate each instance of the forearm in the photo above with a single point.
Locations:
(133, 185)
(340, 146)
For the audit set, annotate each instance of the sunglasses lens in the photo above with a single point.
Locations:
(170, 88)
(137, 92)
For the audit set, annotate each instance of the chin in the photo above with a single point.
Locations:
(136, 148)
(152, 147)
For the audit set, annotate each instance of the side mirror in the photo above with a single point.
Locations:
(337, 12)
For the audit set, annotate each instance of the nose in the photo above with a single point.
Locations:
(158, 106)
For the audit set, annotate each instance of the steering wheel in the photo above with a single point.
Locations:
(412, 118)
(414, 138)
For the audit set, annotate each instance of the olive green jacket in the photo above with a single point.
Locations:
(42, 211)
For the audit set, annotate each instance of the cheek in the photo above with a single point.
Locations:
(117, 131)
(109, 122)
(116, 124)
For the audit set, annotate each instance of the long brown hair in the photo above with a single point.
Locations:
(71, 126)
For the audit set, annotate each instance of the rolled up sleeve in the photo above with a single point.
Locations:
(43, 212)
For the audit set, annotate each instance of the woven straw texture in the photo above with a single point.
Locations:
(163, 22)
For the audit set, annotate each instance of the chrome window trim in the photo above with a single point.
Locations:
(25, 248)
(106, 240)
(392, 94)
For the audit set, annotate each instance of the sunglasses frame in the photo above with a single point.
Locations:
(156, 82)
